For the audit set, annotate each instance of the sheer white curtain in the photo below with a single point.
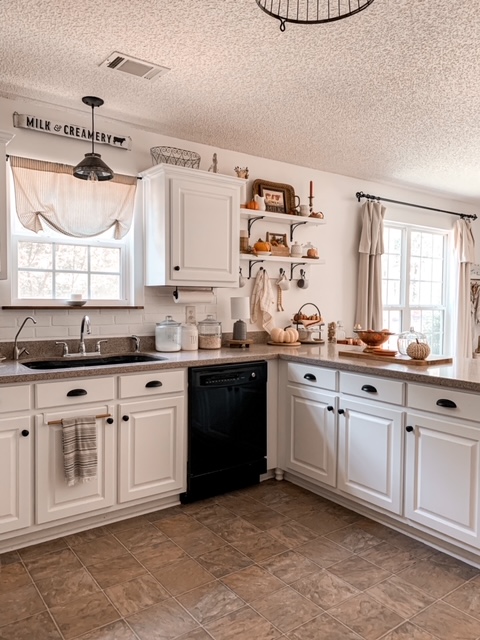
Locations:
(369, 312)
(48, 192)
(464, 247)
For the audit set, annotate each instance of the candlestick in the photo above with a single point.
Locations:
(311, 188)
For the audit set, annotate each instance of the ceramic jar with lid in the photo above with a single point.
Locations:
(189, 337)
(407, 337)
(296, 250)
(167, 335)
(209, 333)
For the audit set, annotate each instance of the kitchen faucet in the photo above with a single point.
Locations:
(16, 351)
(85, 326)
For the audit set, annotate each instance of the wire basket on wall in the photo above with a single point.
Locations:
(172, 155)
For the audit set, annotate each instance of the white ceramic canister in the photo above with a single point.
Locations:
(168, 335)
(189, 337)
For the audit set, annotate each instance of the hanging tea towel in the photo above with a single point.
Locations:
(79, 449)
(262, 301)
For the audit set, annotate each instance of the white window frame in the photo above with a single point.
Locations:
(131, 286)
(124, 298)
(404, 307)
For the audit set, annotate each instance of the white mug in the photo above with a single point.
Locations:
(283, 283)
(304, 210)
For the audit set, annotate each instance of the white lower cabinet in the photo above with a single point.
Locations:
(442, 475)
(152, 454)
(16, 467)
(54, 499)
(311, 442)
(370, 453)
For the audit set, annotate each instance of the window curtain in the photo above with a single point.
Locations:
(464, 248)
(369, 311)
(47, 192)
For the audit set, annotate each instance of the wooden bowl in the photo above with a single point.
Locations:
(373, 339)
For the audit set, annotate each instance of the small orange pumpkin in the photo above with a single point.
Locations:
(253, 205)
(262, 245)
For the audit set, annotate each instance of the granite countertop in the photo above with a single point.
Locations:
(464, 375)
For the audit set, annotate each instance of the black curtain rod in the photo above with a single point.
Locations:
(360, 195)
(137, 177)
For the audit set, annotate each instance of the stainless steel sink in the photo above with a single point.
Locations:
(91, 361)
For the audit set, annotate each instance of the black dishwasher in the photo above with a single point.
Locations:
(227, 428)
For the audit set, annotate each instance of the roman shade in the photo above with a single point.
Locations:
(48, 193)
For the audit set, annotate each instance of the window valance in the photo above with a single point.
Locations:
(47, 192)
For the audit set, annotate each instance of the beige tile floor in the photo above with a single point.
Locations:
(271, 561)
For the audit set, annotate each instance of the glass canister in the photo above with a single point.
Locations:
(209, 333)
(189, 337)
(167, 335)
(407, 337)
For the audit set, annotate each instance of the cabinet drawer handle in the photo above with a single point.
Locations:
(76, 392)
(153, 383)
(341, 411)
(449, 404)
(310, 377)
(109, 420)
(177, 268)
(125, 418)
(409, 429)
(369, 388)
(25, 433)
(329, 408)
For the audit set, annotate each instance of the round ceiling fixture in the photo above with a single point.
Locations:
(311, 11)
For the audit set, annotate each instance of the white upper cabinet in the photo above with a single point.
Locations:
(191, 227)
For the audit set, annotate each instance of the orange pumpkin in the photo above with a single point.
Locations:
(253, 205)
(262, 245)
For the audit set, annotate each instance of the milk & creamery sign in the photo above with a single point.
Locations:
(74, 131)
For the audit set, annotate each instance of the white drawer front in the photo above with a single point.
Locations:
(76, 391)
(467, 405)
(148, 384)
(14, 398)
(317, 377)
(371, 387)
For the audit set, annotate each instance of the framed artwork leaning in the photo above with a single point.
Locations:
(279, 197)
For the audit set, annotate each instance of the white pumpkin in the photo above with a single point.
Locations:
(287, 335)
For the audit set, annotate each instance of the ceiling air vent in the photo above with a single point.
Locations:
(133, 66)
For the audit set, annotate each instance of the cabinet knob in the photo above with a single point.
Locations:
(329, 408)
(341, 411)
(25, 433)
(125, 418)
(448, 404)
(177, 268)
(310, 377)
(369, 388)
(409, 429)
(109, 420)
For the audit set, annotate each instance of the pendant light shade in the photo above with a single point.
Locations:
(92, 167)
(311, 11)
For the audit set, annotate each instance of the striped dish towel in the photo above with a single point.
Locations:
(79, 449)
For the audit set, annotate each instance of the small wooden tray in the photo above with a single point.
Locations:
(284, 344)
(398, 359)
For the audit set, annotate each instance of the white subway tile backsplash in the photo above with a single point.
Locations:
(112, 331)
(7, 320)
(128, 318)
(50, 332)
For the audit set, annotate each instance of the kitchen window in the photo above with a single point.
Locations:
(48, 266)
(414, 276)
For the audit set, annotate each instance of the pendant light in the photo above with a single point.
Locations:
(311, 11)
(92, 167)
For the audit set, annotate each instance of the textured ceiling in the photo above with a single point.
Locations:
(391, 94)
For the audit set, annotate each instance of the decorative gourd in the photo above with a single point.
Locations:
(262, 245)
(418, 350)
(251, 204)
(287, 335)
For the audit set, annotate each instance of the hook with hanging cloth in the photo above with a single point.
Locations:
(283, 284)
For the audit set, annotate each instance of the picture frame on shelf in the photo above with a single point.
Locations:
(278, 243)
(279, 197)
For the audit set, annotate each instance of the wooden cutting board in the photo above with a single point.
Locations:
(399, 359)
